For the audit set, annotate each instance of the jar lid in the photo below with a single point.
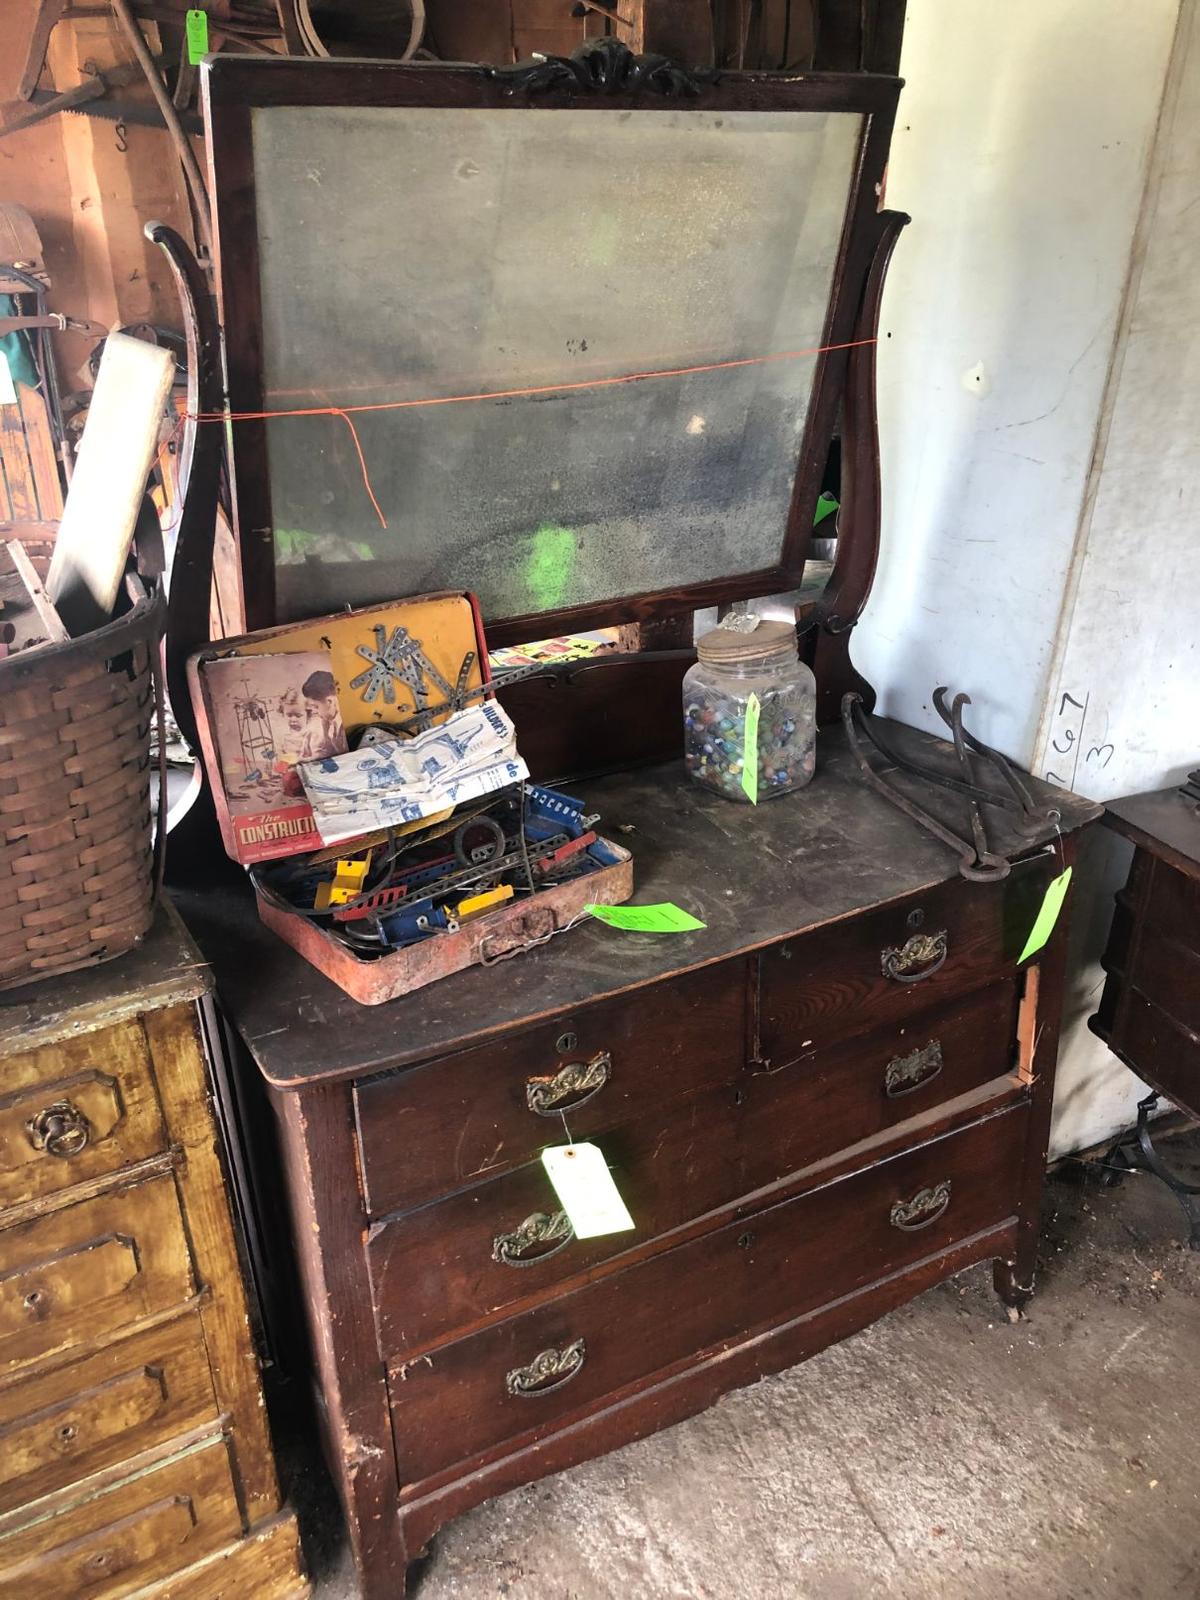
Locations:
(727, 647)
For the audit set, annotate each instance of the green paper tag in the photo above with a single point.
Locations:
(1052, 904)
(750, 753)
(827, 504)
(196, 29)
(664, 918)
(586, 1190)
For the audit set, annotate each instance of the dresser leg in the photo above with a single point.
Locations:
(317, 1138)
(1013, 1279)
(416, 1571)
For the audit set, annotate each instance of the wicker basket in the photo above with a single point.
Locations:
(78, 877)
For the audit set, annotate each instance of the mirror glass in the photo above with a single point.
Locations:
(636, 295)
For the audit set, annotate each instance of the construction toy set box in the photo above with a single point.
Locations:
(367, 778)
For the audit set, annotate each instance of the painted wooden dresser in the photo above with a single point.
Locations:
(134, 1452)
(833, 1095)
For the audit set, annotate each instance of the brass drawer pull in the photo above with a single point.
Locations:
(926, 1206)
(904, 1074)
(547, 1371)
(60, 1130)
(925, 951)
(510, 1248)
(571, 1087)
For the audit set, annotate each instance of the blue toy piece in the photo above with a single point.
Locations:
(548, 811)
(414, 923)
(603, 854)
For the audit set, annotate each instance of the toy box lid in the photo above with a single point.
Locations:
(270, 699)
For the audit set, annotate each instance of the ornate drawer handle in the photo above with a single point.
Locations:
(926, 951)
(510, 1248)
(60, 1130)
(575, 1083)
(903, 1074)
(547, 1371)
(926, 1206)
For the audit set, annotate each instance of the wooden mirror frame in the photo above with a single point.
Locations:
(235, 86)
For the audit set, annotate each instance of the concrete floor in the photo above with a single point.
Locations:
(944, 1454)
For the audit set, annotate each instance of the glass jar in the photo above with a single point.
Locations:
(717, 690)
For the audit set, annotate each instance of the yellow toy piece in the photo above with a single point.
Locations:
(475, 905)
(346, 884)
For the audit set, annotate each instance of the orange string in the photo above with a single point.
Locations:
(506, 394)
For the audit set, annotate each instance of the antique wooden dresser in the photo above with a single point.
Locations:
(590, 338)
(134, 1453)
(1149, 1013)
(832, 1096)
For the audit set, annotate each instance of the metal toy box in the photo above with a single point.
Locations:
(409, 661)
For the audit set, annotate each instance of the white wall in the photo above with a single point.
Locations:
(1039, 379)
(1123, 714)
(1021, 150)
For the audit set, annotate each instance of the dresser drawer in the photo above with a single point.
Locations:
(76, 1109)
(116, 1542)
(90, 1269)
(1156, 1046)
(433, 1129)
(1156, 950)
(439, 1270)
(891, 964)
(60, 1426)
(533, 1371)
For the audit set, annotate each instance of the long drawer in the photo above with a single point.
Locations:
(431, 1130)
(530, 1373)
(77, 1109)
(441, 1269)
(889, 965)
(139, 1529)
(90, 1269)
(57, 1427)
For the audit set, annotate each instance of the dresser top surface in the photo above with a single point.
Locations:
(1162, 821)
(752, 875)
(165, 969)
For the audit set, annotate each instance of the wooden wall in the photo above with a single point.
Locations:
(89, 199)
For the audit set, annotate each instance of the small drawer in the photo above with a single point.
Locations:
(1173, 903)
(77, 1109)
(892, 964)
(1158, 1049)
(60, 1426)
(431, 1130)
(505, 1243)
(529, 1374)
(1167, 973)
(90, 1269)
(1154, 942)
(123, 1539)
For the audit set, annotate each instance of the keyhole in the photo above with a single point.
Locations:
(32, 1299)
(746, 1240)
(566, 1041)
(67, 1432)
(916, 917)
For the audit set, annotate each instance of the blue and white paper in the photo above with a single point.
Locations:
(382, 785)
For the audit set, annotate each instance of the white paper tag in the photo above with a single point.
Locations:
(8, 390)
(586, 1190)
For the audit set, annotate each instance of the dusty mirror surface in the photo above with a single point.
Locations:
(431, 256)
